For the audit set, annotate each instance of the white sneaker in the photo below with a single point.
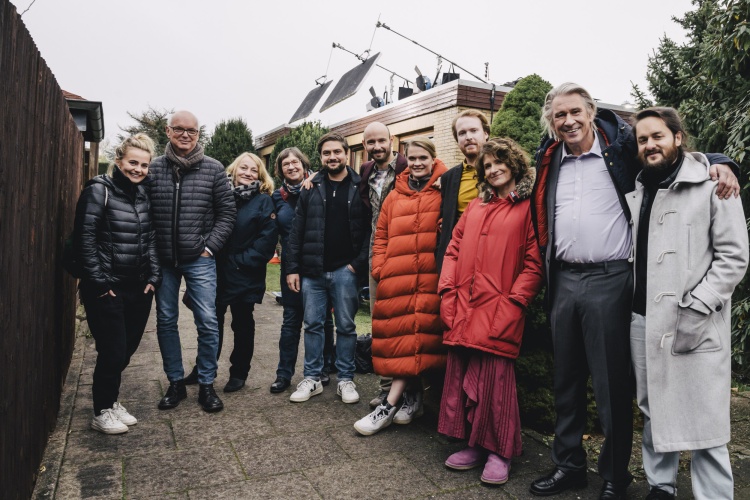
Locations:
(122, 415)
(410, 409)
(379, 419)
(108, 423)
(348, 391)
(305, 390)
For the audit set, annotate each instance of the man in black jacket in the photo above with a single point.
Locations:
(328, 248)
(471, 129)
(194, 212)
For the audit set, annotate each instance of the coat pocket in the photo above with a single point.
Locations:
(695, 332)
(448, 305)
(507, 324)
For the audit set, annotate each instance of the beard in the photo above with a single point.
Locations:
(668, 157)
(335, 170)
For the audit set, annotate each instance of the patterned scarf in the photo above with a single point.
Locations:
(184, 163)
(244, 192)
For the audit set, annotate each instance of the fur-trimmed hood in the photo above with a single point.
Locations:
(524, 187)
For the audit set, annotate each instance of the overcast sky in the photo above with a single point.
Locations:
(258, 60)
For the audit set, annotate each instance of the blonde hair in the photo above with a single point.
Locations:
(139, 141)
(421, 142)
(266, 182)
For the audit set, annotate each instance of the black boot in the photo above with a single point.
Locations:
(208, 399)
(234, 384)
(175, 393)
(192, 379)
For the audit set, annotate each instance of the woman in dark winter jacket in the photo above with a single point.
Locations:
(241, 264)
(114, 243)
(491, 273)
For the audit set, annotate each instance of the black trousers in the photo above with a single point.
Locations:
(117, 325)
(243, 326)
(590, 319)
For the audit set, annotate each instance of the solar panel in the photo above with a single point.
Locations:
(350, 82)
(310, 101)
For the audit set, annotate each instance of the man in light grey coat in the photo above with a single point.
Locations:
(691, 250)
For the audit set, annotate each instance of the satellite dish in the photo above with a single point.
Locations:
(423, 82)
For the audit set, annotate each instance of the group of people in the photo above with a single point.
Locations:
(639, 242)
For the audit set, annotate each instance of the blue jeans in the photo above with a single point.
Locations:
(200, 278)
(340, 288)
(291, 328)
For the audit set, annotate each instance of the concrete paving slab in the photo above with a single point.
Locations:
(141, 439)
(286, 453)
(164, 472)
(98, 480)
(383, 476)
(294, 485)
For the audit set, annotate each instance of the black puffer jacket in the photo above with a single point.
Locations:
(192, 209)
(241, 264)
(114, 236)
(306, 241)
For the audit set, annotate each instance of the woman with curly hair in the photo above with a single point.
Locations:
(491, 273)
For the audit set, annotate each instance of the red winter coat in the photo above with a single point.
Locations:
(406, 327)
(491, 273)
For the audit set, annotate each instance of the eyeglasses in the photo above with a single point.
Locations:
(178, 131)
(291, 163)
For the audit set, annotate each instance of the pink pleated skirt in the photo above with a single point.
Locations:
(480, 403)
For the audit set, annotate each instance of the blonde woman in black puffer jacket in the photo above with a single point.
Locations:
(114, 242)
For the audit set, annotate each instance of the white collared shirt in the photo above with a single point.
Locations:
(590, 225)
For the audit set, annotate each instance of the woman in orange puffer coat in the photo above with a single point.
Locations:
(491, 273)
(406, 326)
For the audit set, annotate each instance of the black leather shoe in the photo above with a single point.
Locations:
(234, 384)
(659, 494)
(613, 491)
(192, 379)
(325, 379)
(280, 385)
(208, 399)
(558, 481)
(175, 393)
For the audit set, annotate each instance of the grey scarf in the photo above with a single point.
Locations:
(186, 162)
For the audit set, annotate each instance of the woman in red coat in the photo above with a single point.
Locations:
(491, 273)
(406, 327)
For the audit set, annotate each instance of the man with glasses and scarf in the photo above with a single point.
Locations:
(194, 213)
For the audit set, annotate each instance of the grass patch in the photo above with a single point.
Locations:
(273, 271)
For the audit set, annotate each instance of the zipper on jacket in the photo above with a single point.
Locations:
(471, 287)
(140, 231)
(175, 209)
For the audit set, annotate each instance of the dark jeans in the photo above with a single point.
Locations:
(243, 326)
(117, 325)
(291, 328)
(590, 319)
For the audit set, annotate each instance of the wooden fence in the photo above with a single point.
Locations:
(41, 163)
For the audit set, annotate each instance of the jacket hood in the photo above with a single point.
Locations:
(694, 170)
(402, 180)
(524, 187)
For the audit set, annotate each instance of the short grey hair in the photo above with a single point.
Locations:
(171, 117)
(566, 88)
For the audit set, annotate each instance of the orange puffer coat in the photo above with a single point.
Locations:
(406, 327)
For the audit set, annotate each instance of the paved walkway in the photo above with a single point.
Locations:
(261, 446)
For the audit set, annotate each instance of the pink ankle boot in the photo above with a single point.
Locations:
(496, 470)
(466, 459)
